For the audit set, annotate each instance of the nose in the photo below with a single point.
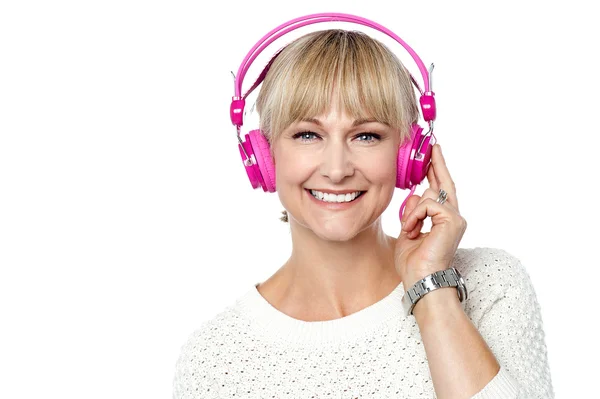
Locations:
(337, 161)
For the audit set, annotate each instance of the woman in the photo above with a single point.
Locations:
(334, 321)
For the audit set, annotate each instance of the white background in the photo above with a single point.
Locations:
(126, 217)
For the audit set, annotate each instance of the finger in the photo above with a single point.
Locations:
(442, 175)
(433, 183)
(427, 194)
(434, 195)
(441, 169)
(415, 232)
(430, 193)
(429, 207)
(411, 203)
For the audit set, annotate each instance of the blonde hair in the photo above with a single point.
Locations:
(366, 78)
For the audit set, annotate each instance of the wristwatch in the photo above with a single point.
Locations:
(443, 278)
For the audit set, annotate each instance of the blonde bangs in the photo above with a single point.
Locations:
(345, 68)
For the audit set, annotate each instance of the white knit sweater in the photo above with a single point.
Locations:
(252, 350)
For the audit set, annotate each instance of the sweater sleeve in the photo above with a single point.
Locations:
(192, 379)
(512, 327)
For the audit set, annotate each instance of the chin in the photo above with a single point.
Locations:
(342, 237)
(336, 230)
(333, 225)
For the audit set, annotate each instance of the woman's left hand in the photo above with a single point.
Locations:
(419, 254)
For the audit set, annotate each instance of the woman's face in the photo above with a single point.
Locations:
(333, 152)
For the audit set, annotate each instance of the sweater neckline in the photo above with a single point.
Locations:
(272, 322)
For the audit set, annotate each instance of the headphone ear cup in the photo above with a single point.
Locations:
(412, 171)
(263, 173)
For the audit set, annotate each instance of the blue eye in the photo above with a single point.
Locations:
(373, 135)
(303, 135)
(306, 134)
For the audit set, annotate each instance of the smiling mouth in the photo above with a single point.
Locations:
(323, 199)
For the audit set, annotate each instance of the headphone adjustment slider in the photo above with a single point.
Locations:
(427, 101)
(236, 111)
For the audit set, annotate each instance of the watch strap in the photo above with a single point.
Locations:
(444, 278)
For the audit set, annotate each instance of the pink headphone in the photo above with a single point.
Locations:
(414, 156)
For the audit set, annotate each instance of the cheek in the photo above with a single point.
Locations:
(384, 170)
(382, 174)
(291, 170)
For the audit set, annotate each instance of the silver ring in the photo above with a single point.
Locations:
(442, 197)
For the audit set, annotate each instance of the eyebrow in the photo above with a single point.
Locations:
(357, 122)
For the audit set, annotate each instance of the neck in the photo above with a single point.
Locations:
(331, 279)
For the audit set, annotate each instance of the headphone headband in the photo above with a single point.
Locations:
(296, 23)
(236, 109)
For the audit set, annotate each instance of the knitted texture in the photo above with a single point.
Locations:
(252, 350)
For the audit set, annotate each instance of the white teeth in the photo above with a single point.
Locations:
(335, 197)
